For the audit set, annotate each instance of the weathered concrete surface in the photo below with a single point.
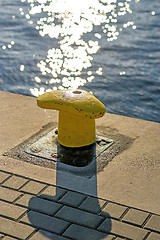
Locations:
(20, 118)
(132, 178)
(134, 175)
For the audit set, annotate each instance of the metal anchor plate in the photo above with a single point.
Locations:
(47, 146)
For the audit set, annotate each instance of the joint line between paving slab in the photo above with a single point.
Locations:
(19, 197)
(22, 215)
(7, 178)
(104, 218)
(57, 212)
(124, 213)
(134, 224)
(19, 189)
(43, 189)
(146, 220)
(152, 230)
(32, 234)
(147, 235)
(82, 201)
(65, 229)
(104, 205)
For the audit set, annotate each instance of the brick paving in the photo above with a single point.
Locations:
(33, 210)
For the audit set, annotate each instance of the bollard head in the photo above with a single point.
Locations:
(78, 102)
(78, 110)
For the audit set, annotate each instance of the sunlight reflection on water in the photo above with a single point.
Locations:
(108, 47)
(69, 21)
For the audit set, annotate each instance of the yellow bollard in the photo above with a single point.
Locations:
(78, 110)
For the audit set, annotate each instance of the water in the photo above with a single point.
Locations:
(111, 48)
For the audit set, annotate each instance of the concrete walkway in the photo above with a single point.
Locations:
(120, 201)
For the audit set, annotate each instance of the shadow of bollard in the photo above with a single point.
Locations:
(74, 210)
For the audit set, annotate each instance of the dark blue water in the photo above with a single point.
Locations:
(111, 48)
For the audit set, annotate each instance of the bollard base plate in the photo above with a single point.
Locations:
(42, 149)
(47, 147)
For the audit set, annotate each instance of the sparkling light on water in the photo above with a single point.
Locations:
(10, 45)
(22, 67)
(69, 21)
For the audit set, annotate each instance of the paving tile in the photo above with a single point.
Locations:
(135, 216)
(43, 235)
(8, 194)
(154, 236)
(79, 233)
(45, 222)
(79, 217)
(123, 229)
(3, 176)
(39, 204)
(72, 198)
(33, 187)
(10, 210)
(153, 223)
(43, 206)
(113, 210)
(15, 182)
(53, 193)
(15, 229)
(92, 204)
